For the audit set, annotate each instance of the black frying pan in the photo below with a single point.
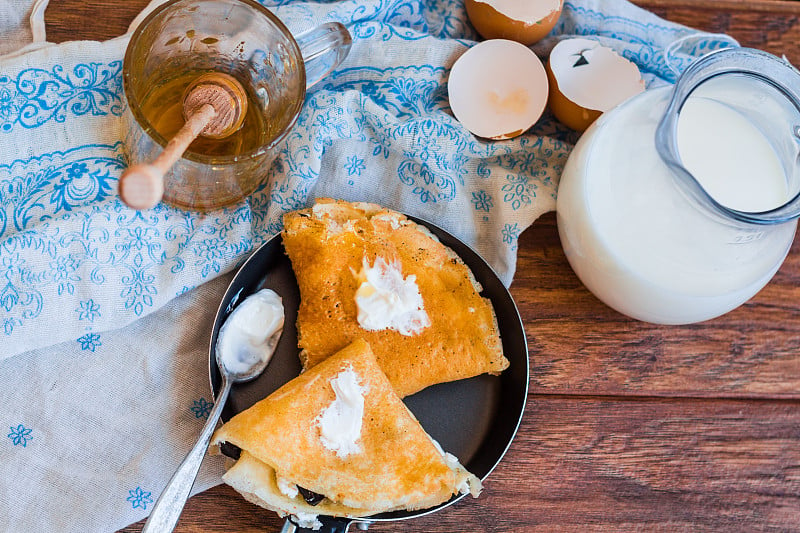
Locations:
(475, 419)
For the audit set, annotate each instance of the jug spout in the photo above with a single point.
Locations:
(752, 91)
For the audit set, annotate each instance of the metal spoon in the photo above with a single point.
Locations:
(169, 505)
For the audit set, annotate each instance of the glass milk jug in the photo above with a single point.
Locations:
(680, 204)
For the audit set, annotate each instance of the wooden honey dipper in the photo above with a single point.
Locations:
(214, 106)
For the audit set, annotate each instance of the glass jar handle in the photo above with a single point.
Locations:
(323, 49)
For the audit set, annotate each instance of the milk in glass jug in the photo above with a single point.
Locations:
(681, 204)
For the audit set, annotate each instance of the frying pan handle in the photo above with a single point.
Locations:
(329, 525)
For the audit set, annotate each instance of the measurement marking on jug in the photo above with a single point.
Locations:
(743, 238)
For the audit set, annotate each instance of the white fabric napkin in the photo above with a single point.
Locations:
(21, 24)
(103, 358)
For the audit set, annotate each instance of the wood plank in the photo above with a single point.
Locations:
(627, 465)
(774, 7)
(67, 20)
(607, 464)
(578, 345)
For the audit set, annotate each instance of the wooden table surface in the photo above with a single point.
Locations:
(629, 426)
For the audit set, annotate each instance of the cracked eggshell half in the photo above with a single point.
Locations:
(498, 89)
(587, 79)
(524, 21)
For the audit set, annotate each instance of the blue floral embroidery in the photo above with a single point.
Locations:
(448, 19)
(37, 95)
(434, 167)
(139, 498)
(90, 342)
(63, 269)
(211, 252)
(518, 191)
(11, 103)
(83, 182)
(20, 435)
(201, 408)
(74, 246)
(510, 234)
(38, 189)
(355, 165)
(138, 284)
(17, 297)
(9, 323)
(482, 201)
(88, 310)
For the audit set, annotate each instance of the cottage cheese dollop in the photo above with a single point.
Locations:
(307, 520)
(386, 300)
(286, 487)
(251, 332)
(340, 423)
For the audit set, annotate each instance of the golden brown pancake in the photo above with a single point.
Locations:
(328, 245)
(396, 464)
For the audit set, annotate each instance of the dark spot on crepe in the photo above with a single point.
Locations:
(311, 497)
(230, 450)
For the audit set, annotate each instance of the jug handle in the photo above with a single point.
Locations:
(323, 49)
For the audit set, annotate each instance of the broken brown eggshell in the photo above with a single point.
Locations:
(523, 21)
(498, 89)
(587, 79)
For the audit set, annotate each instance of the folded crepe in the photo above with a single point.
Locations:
(338, 432)
(365, 271)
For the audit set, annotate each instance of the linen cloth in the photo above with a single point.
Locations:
(105, 313)
(21, 24)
